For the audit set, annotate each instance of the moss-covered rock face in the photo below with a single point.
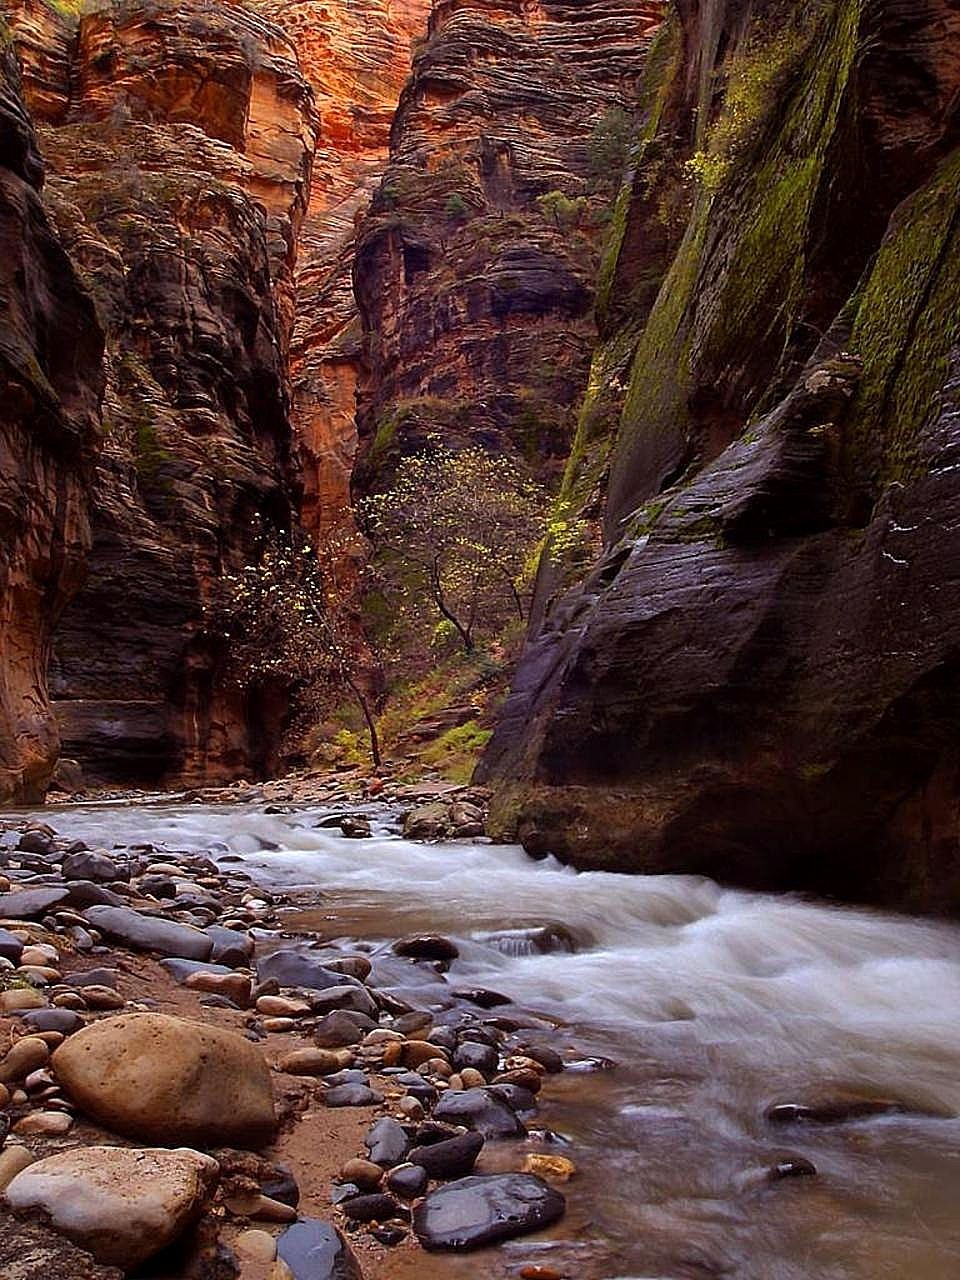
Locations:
(760, 680)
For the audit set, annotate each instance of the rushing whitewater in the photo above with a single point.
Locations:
(713, 1004)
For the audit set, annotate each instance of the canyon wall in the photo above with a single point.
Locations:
(50, 385)
(179, 141)
(760, 678)
(476, 265)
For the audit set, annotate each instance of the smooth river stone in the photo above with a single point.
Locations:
(164, 1079)
(121, 1204)
(480, 1110)
(148, 933)
(485, 1209)
(315, 1250)
(294, 969)
(23, 904)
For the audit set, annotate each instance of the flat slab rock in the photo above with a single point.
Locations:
(148, 933)
(485, 1209)
(315, 1250)
(24, 904)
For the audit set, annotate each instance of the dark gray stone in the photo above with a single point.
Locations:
(480, 1110)
(315, 1250)
(409, 1181)
(353, 998)
(453, 1158)
(299, 969)
(340, 1028)
(371, 1208)
(26, 904)
(481, 1057)
(352, 1095)
(84, 893)
(63, 1020)
(147, 933)
(10, 947)
(230, 946)
(182, 969)
(427, 946)
(485, 1209)
(90, 864)
(386, 1142)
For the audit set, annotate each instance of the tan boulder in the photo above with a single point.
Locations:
(167, 1080)
(119, 1203)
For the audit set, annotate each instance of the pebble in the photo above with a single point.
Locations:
(558, 1167)
(235, 986)
(315, 1250)
(18, 998)
(310, 1062)
(408, 1180)
(253, 1204)
(103, 998)
(485, 1209)
(282, 1007)
(257, 1246)
(44, 1123)
(13, 1160)
(363, 1173)
(352, 1095)
(416, 1052)
(371, 1208)
(25, 1056)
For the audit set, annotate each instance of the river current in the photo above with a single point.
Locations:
(713, 1004)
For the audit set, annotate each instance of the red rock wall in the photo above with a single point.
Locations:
(50, 384)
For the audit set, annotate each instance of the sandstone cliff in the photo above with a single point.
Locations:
(760, 680)
(50, 384)
(475, 268)
(179, 141)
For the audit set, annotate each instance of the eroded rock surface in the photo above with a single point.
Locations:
(759, 679)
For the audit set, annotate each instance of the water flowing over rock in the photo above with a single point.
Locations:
(758, 680)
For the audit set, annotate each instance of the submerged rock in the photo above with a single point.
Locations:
(485, 1209)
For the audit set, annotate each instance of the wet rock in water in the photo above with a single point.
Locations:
(315, 1250)
(481, 1057)
(480, 1110)
(485, 1209)
(355, 966)
(427, 821)
(148, 933)
(26, 904)
(354, 827)
(482, 997)
(351, 1095)
(387, 1142)
(792, 1167)
(408, 1180)
(341, 1028)
(32, 1251)
(516, 1098)
(546, 1166)
(548, 1058)
(231, 947)
(453, 1158)
(296, 969)
(372, 1208)
(427, 946)
(833, 1110)
(165, 1079)
(90, 864)
(121, 1204)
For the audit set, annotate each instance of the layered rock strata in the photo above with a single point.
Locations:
(475, 269)
(179, 141)
(50, 385)
(760, 679)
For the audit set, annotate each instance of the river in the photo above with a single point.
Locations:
(714, 1005)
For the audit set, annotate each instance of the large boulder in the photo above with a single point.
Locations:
(120, 1204)
(484, 1210)
(167, 1080)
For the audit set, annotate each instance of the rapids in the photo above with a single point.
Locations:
(714, 1004)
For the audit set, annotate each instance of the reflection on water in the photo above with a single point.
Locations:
(714, 1004)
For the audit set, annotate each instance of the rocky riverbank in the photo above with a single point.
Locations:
(191, 1087)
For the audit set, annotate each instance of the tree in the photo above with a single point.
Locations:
(291, 615)
(458, 528)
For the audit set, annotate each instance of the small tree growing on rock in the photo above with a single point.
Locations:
(290, 616)
(457, 530)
